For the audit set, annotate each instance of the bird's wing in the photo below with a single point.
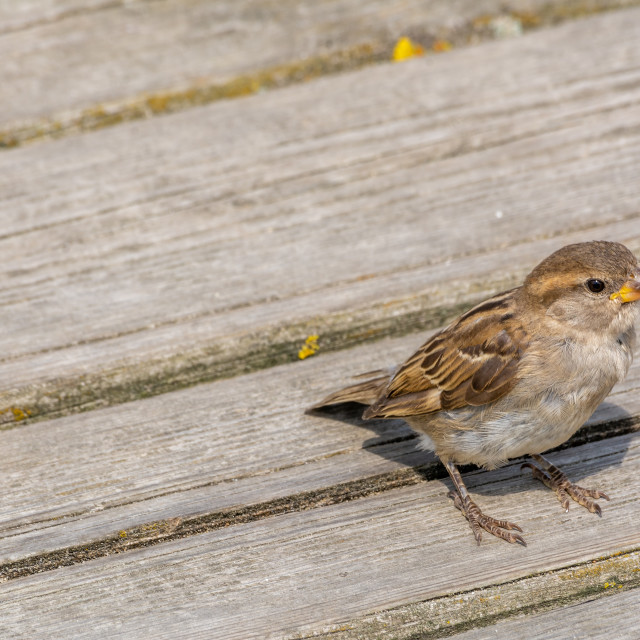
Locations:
(472, 362)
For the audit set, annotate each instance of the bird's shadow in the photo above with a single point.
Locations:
(395, 440)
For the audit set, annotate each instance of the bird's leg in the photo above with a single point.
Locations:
(554, 479)
(476, 518)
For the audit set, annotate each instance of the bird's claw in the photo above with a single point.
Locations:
(565, 489)
(479, 522)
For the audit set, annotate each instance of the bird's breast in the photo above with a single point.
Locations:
(558, 391)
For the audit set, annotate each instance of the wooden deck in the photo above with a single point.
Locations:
(162, 268)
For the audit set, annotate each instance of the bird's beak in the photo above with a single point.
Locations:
(630, 290)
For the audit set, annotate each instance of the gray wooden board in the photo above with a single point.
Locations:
(231, 443)
(615, 616)
(240, 430)
(71, 54)
(173, 240)
(303, 571)
(114, 259)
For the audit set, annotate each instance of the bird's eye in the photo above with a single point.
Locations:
(595, 286)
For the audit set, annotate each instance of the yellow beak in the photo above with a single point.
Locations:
(629, 291)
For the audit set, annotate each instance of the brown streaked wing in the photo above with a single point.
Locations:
(474, 361)
(410, 404)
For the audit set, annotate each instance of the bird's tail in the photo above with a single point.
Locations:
(366, 392)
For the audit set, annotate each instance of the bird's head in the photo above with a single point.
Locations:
(593, 286)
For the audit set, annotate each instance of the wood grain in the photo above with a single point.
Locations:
(539, 599)
(218, 449)
(168, 252)
(299, 572)
(596, 619)
(69, 64)
(209, 244)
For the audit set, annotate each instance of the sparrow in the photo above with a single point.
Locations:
(518, 374)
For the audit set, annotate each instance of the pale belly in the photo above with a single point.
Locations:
(518, 433)
(532, 419)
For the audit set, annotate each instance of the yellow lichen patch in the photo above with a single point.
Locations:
(405, 48)
(18, 413)
(122, 534)
(621, 561)
(310, 347)
(527, 20)
(612, 585)
(589, 571)
(440, 46)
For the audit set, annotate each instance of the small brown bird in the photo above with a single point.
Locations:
(518, 374)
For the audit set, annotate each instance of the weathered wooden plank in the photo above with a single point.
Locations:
(164, 253)
(299, 572)
(71, 64)
(597, 619)
(213, 453)
(22, 14)
(560, 593)
(94, 474)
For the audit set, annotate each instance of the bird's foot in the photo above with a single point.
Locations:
(555, 479)
(478, 521)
